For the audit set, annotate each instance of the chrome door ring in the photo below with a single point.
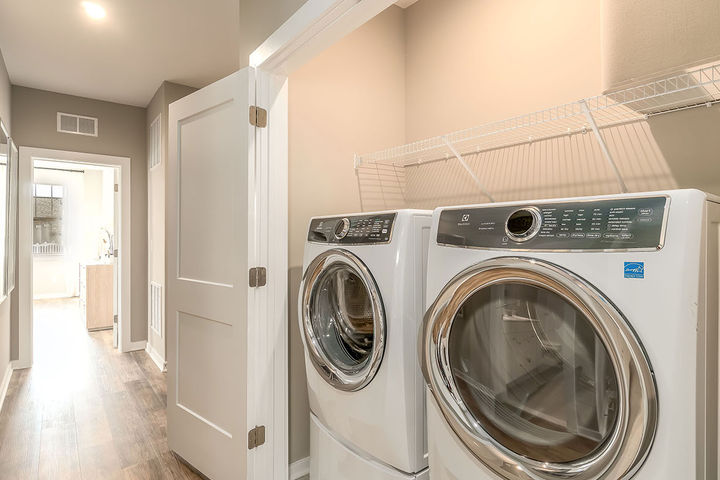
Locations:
(323, 364)
(625, 449)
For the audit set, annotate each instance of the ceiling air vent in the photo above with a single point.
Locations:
(77, 124)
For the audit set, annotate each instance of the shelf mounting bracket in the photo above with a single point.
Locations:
(603, 145)
(468, 169)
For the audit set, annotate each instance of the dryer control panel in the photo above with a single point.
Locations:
(353, 230)
(613, 224)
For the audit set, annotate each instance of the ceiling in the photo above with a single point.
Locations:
(54, 45)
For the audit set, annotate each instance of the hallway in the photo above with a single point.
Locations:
(84, 411)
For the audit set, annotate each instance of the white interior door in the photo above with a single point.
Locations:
(116, 234)
(211, 242)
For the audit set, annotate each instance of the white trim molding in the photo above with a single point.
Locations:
(300, 468)
(5, 383)
(156, 357)
(25, 304)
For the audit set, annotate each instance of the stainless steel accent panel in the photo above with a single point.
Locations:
(560, 318)
(635, 223)
(353, 230)
(342, 320)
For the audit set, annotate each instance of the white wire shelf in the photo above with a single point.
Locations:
(691, 89)
(553, 152)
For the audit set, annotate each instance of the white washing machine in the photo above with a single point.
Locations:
(361, 306)
(574, 339)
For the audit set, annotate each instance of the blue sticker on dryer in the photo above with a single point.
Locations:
(634, 269)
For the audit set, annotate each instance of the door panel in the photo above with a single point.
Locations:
(196, 336)
(210, 181)
(206, 191)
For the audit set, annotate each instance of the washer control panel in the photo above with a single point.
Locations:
(353, 230)
(617, 224)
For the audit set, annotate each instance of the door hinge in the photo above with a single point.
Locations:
(115, 319)
(117, 188)
(258, 116)
(258, 277)
(256, 437)
(115, 253)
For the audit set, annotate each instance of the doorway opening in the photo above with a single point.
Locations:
(74, 251)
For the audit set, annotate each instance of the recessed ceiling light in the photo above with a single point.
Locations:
(94, 10)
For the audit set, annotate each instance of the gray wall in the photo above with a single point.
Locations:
(121, 131)
(167, 93)
(5, 306)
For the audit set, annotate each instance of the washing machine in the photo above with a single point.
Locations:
(361, 306)
(574, 339)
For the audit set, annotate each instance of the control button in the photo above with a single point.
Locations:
(645, 220)
(577, 235)
(523, 224)
(562, 235)
(645, 211)
(342, 228)
(592, 235)
(504, 239)
(626, 236)
(611, 235)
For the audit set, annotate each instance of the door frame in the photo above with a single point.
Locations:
(315, 26)
(25, 270)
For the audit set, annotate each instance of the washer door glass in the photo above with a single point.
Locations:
(532, 371)
(344, 320)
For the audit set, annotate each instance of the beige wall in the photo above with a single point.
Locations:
(166, 94)
(349, 97)
(5, 306)
(471, 62)
(643, 38)
(121, 133)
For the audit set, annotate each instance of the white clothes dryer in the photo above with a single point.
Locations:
(574, 339)
(361, 306)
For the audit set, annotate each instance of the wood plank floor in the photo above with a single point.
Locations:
(84, 410)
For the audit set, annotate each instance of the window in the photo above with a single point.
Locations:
(47, 219)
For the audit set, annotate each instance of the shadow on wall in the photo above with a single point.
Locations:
(299, 421)
(690, 141)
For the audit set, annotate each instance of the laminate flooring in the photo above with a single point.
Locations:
(84, 410)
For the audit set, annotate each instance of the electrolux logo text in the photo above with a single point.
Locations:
(634, 270)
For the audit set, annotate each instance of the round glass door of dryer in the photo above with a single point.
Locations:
(343, 320)
(538, 374)
(533, 373)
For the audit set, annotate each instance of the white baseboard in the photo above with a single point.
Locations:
(300, 468)
(134, 346)
(20, 365)
(5, 383)
(156, 357)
